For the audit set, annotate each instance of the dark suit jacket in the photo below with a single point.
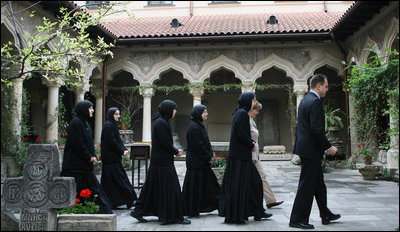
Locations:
(311, 141)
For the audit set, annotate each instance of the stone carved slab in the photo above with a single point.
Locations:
(274, 149)
(40, 191)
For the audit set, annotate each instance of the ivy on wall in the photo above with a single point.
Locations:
(374, 88)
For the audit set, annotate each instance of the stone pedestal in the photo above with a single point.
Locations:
(87, 222)
(369, 172)
(274, 149)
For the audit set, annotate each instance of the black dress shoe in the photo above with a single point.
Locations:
(138, 217)
(301, 225)
(327, 220)
(263, 216)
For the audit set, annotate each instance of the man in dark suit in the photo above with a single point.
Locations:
(310, 145)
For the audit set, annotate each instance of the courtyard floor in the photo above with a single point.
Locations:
(364, 205)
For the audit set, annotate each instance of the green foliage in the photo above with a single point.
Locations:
(82, 205)
(126, 119)
(70, 41)
(372, 86)
(332, 117)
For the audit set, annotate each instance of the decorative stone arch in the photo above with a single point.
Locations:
(167, 64)
(328, 60)
(222, 61)
(274, 61)
(90, 69)
(352, 54)
(127, 66)
(13, 30)
(390, 35)
(369, 43)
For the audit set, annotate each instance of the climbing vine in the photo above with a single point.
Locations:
(374, 88)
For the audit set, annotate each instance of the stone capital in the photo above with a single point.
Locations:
(248, 87)
(300, 91)
(57, 83)
(197, 91)
(97, 92)
(147, 92)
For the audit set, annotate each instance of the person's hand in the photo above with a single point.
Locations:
(93, 159)
(332, 150)
(126, 152)
(180, 152)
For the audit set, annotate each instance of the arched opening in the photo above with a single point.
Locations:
(220, 104)
(128, 101)
(179, 125)
(274, 122)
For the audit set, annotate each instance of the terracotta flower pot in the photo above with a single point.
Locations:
(368, 160)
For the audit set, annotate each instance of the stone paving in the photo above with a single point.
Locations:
(364, 205)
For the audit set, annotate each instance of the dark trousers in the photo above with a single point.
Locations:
(311, 184)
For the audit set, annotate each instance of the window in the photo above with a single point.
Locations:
(159, 3)
(96, 4)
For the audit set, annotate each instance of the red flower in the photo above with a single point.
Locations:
(99, 144)
(359, 145)
(26, 139)
(77, 201)
(85, 193)
(38, 139)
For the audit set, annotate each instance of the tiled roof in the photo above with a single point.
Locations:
(207, 25)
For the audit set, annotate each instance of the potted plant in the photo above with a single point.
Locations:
(367, 154)
(218, 164)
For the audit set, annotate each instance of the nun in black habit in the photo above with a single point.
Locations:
(79, 156)
(114, 180)
(161, 194)
(200, 188)
(242, 189)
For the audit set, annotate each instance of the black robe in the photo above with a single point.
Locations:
(200, 188)
(114, 180)
(79, 149)
(161, 194)
(241, 190)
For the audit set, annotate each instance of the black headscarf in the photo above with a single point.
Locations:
(165, 109)
(110, 114)
(197, 111)
(245, 101)
(82, 109)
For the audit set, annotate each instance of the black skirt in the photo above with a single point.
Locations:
(161, 195)
(88, 180)
(241, 191)
(200, 191)
(116, 185)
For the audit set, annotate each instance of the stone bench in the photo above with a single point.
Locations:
(274, 149)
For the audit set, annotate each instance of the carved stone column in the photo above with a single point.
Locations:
(146, 132)
(393, 153)
(52, 111)
(197, 93)
(17, 110)
(300, 93)
(98, 115)
(80, 92)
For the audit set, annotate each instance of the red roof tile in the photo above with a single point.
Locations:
(204, 25)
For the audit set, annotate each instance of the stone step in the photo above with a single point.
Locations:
(263, 157)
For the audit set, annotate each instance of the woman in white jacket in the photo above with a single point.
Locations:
(268, 194)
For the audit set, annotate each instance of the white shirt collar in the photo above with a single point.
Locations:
(315, 94)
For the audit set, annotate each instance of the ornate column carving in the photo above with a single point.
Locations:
(98, 115)
(197, 93)
(248, 88)
(300, 93)
(80, 92)
(147, 93)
